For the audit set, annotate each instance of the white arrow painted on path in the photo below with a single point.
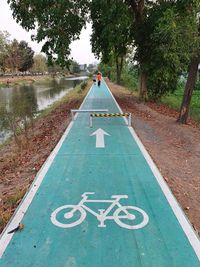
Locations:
(100, 137)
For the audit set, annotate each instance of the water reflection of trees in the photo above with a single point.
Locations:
(18, 112)
(18, 105)
(56, 86)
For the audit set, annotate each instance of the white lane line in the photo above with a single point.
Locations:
(17, 217)
(181, 217)
(100, 137)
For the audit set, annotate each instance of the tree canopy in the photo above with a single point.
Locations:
(26, 56)
(58, 23)
(3, 48)
(40, 64)
(168, 56)
(19, 56)
(164, 34)
(111, 36)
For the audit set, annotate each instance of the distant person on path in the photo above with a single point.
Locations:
(99, 78)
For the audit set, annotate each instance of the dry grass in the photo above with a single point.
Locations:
(9, 204)
(18, 168)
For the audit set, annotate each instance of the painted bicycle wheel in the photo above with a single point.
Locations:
(131, 217)
(68, 216)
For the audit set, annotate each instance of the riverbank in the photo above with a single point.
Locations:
(19, 168)
(9, 80)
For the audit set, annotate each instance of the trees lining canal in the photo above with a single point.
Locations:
(21, 103)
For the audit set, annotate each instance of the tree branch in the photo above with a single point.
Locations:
(137, 8)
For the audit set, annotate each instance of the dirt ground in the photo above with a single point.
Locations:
(174, 148)
(16, 79)
(19, 168)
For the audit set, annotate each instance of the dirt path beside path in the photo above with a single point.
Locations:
(174, 148)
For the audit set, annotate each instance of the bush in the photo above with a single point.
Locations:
(197, 86)
(83, 85)
(130, 79)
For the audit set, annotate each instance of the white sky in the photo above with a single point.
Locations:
(80, 49)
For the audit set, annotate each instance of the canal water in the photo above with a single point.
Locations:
(27, 100)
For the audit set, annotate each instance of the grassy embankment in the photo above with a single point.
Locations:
(12, 197)
(77, 94)
(172, 100)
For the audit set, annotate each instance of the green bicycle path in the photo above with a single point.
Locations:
(119, 168)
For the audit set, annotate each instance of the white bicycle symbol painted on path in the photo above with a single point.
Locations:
(121, 214)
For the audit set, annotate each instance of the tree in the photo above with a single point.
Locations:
(111, 34)
(58, 23)
(19, 56)
(26, 56)
(140, 14)
(14, 117)
(40, 64)
(160, 28)
(12, 60)
(74, 67)
(191, 81)
(54, 68)
(157, 28)
(169, 56)
(3, 48)
(190, 84)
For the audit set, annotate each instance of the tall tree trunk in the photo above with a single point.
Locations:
(119, 67)
(143, 85)
(189, 87)
(137, 7)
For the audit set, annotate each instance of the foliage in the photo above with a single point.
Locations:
(15, 117)
(19, 56)
(130, 77)
(54, 68)
(3, 48)
(8, 203)
(197, 86)
(58, 23)
(155, 28)
(84, 85)
(104, 68)
(40, 64)
(12, 59)
(169, 56)
(74, 67)
(26, 56)
(173, 100)
(160, 28)
(111, 34)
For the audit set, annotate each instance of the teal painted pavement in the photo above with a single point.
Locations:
(64, 229)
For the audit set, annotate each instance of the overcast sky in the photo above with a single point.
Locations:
(81, 49)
